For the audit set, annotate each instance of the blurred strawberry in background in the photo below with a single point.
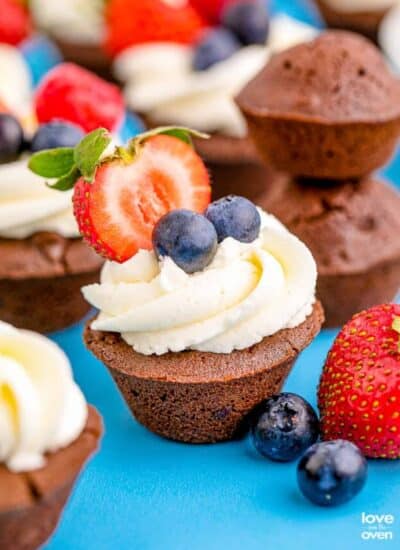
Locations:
(15, 23)
(132, 22)
(212, 10)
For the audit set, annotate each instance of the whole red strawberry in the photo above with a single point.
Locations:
(15, 23)
(359, 392)
(71, 93)
(131, 22)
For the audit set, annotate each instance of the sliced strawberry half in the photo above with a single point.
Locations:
(117, 212)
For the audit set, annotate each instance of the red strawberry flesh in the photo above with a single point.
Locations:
(118, 211)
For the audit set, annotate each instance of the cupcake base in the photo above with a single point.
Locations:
(199, 397)
(31, 503)
(345, 295)
(326, 150)
(366, 23)
(45, 305)
(41, 279)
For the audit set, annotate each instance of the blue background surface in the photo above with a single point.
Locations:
(144, 493)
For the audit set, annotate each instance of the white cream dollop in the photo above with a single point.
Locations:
(248, 292)
(160, 80)
(41, 408)
(80, 21)
(359, 6)
(28, 205)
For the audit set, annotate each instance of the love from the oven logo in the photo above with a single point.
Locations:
(377, 526)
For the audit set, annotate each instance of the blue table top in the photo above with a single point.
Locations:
(144, 493)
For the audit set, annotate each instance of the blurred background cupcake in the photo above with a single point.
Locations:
(191, 81)
(363, 16)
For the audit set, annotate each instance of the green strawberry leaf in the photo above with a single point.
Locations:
(180, 132)
(52, 163)
(88, 152)
(67, 181)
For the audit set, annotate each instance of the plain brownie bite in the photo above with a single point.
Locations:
(329, 108)
(352, 231)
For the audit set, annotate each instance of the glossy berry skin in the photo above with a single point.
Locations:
(189, 239)
(332, 472)
(56, 134)
(285, 426)
(235, 217)
(11, 137)
(69, 92)
(215, 46)
(248, 20)
(359, 391)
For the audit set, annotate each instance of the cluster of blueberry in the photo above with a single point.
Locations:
(242, 23)
(48, 136)
(191, 239)
(286, 427)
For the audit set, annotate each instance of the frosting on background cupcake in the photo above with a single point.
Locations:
(41, 408)
(28, 206)
(74, 20)
(162, 84)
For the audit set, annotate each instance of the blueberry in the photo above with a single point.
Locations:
(186, 237)
(248, 20)
(11, 137)
(56, 134)
(332, 472)
(235, 217)
(284, 427)
(215, 46)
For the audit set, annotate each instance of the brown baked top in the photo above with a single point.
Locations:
(203, 367)
(22, 490)
(349, 228)
(339, 77)
(46, 255)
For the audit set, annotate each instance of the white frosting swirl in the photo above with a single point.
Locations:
(80, 21)
(27, 205)
(41, 408)
(359, 6)
(161, 82)
(248, 292)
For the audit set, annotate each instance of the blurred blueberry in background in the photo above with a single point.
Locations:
(41, 54)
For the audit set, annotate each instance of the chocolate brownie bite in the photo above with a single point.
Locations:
(365, 21)
(328, 109)
(200, 397)
(40, 281)
(31, 503)
(352, 231)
